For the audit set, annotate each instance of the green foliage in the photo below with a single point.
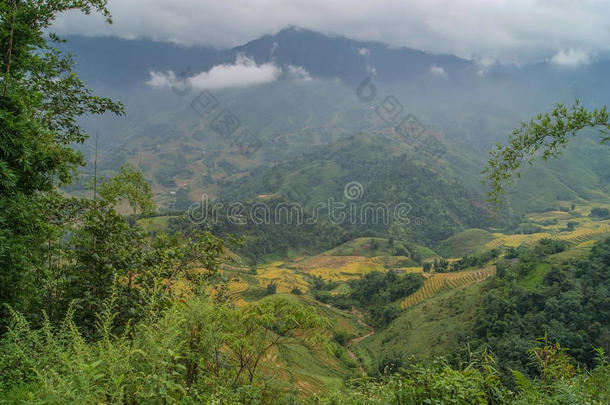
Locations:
(600, 213)
(567, 304)
(528, 229)
(375, 292)
(437, 383)
(341, 337)
(278, 238)
(559, 382)
(40, 105)
(547, 133)
(442, 325)
(469, 242)
(433, 197)
(95, 312)
(129, 185)
(188, 353)
(441, 266)
(475, 260)
(476, 382)
(271, 288)
(87, 246)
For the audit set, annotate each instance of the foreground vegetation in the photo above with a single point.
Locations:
(201, 352)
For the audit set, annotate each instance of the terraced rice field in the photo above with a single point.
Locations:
(413, 269)
(586, 229)
(581, 235)
(545, 216)
(439, 281)
(285, 279)
(515, 240)
(236, 287)
(340, 268)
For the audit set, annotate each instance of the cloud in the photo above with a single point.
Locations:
(436, 70)
(273, 48)
(364, 52)
(243, 73)
(510, 31)
(484, 65)
(571, 58)
(298, 72)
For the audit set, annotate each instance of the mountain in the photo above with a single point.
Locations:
(121, 62)
(366, 185)
(331, 107)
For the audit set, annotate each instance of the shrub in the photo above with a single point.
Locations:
(600, 213)
(341, 337)
(271, 288)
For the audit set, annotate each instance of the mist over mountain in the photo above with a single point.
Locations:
(298, 89)
(113, 61)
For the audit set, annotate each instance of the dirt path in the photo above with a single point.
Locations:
(358, 339)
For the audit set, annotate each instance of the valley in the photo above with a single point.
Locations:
(435, 316)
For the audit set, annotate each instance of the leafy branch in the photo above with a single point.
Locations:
(549, 134)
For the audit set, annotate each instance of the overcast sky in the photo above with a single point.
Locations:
(566, 32)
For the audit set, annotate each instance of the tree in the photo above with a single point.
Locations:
(270, 323)
(548, 133)
(599, 213)
(131, 186)
(41, 100)
(102, 248)
(103, 253)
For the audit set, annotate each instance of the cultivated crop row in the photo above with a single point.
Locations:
(442, 281)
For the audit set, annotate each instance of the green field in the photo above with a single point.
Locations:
(464, 243)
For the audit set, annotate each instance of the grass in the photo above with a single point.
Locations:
(363, 247)
(315, 368)
(535, 277)
(435, 327)
(471, 241)
(425, 253)
(154, 224)
(574, 252)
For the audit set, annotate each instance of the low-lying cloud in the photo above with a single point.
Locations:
(243, 73)
(439, 71)
(298, 72)
(484, 65)
(509, 31)
(571, 58)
